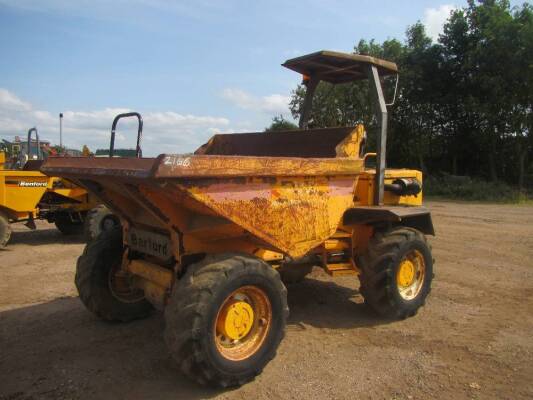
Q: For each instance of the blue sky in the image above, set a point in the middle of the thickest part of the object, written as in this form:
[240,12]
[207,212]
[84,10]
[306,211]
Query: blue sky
[192,68]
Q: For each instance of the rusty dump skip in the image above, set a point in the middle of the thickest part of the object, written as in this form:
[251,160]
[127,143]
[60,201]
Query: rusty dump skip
[286,190]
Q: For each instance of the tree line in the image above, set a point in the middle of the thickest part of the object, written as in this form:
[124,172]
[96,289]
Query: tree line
[464,104]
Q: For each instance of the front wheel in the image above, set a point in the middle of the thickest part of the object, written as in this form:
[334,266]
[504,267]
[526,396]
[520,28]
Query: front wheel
[103,289]
[397,270]
[225,319]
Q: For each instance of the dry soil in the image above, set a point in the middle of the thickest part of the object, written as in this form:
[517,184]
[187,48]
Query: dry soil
[472,340]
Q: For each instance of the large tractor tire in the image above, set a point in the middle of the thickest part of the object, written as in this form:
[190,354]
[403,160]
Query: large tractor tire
[67,225]
[101,286]
[397,270]
[225,319]
[5,230]
[98,220]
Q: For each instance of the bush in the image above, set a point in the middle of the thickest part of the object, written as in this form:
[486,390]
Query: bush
[473,189]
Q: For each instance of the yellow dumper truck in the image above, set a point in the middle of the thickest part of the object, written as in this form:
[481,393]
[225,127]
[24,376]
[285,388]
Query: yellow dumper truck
[208,237]
[27,195]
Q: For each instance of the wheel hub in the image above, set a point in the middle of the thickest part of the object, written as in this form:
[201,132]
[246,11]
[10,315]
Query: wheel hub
[411,274]
[108,224]
[121,288]
[406,273]
[236,319]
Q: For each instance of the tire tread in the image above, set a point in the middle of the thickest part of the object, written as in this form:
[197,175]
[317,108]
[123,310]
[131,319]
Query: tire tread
[377,275]
[187,313]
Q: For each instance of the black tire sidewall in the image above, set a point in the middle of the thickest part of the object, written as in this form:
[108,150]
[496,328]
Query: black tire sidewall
[109,258]
[275,333]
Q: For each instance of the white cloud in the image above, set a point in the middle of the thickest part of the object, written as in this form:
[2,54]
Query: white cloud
[435,18]
[273,104]
[9,101]
[164,131]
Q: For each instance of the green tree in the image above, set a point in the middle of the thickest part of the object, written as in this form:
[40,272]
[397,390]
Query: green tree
[464,104]
[279,123]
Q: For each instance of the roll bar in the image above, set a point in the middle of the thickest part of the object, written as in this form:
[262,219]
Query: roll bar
[337,68]
[381,143]
[381,117]
[39,152]
[138,151]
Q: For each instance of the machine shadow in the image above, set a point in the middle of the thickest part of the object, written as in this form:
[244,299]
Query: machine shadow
[326,304]
[42,237]
[58,349]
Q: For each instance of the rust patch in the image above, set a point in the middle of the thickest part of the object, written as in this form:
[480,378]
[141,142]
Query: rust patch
[295,216]
[341,187]
[223,192]
[179,166]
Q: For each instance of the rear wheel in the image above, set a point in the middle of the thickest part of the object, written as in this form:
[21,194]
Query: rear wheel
[397,271]
[102,287]
[98,220]
[5,230]
[225,319]
[68,225]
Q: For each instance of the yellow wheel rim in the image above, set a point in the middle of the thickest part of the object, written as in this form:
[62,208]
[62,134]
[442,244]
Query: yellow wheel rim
[411,274]
[243,321]
[121,288]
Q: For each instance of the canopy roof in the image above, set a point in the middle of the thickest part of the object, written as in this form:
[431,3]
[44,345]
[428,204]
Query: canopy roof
[335,67]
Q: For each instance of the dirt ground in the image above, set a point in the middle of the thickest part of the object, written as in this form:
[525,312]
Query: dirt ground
[472,340]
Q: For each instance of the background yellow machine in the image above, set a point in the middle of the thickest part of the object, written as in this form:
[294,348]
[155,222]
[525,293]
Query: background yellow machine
[210,237]
[27,194]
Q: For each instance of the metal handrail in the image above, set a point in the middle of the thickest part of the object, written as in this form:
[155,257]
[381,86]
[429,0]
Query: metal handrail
[138,151]
[34,129]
